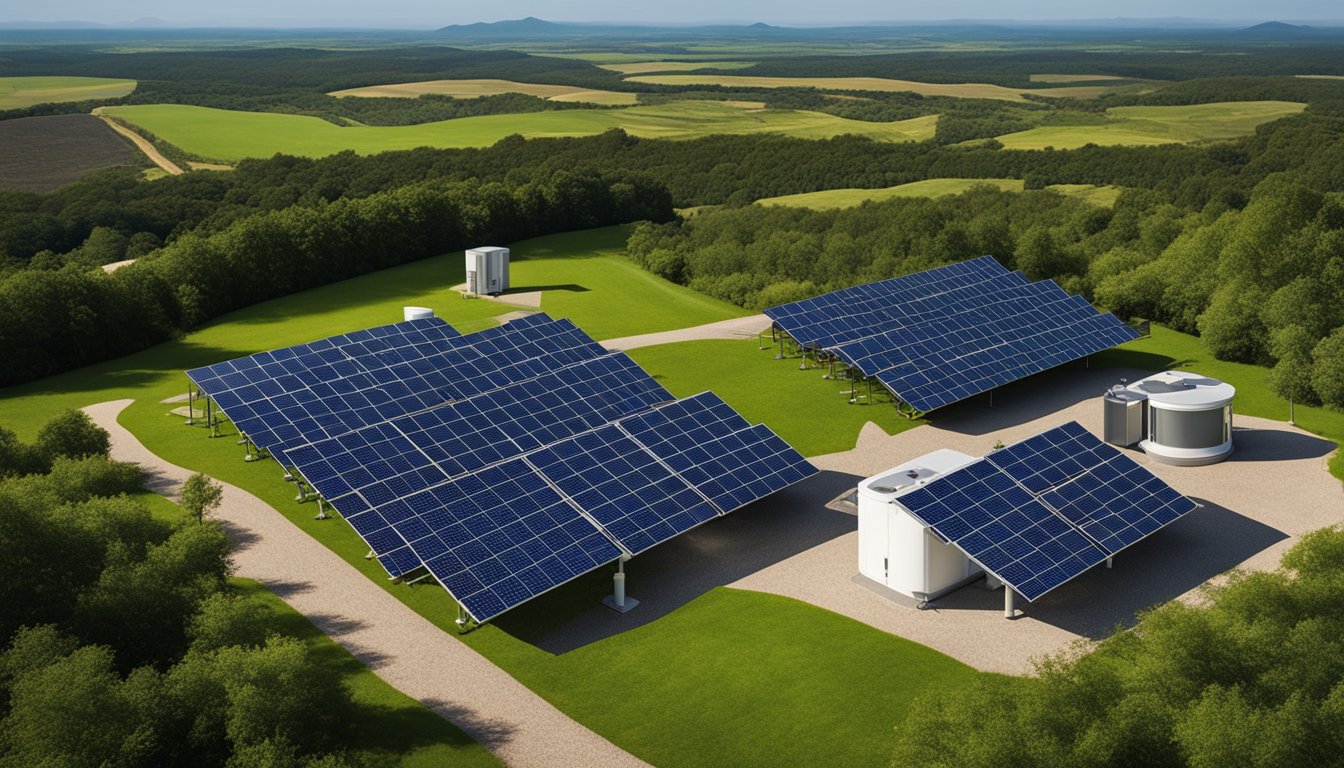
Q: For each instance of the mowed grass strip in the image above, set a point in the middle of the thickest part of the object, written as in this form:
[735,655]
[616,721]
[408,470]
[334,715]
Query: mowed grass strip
[18,92]
[1145,126]
[847,198]
[231,136]
[474,89]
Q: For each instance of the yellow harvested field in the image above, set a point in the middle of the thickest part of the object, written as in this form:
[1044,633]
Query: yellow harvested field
[19,92]
[1322,77]
[1074,78]
[647,67]
[473,89]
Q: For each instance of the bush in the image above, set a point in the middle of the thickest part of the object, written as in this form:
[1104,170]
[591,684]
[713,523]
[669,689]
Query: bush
[72,434]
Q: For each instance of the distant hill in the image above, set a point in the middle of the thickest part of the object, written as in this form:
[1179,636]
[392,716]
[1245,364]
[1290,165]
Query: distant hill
[1278,30]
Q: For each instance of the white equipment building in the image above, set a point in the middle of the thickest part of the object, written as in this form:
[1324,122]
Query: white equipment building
[1176,417]
[487,271]
[896,550]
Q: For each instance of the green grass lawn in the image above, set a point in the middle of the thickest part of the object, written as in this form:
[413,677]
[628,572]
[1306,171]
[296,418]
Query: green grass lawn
[813,414]
[229,136]
[18,92]
[1143,126]
[847,198]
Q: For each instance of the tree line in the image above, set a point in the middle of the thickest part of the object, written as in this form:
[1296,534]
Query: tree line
[1260,282]
[122,641]
[1254,677]
[63,317]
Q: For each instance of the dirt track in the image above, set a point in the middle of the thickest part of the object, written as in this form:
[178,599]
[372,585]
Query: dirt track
[139,141]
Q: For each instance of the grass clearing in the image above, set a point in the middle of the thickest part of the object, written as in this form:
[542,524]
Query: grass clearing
[18,92]
[1047,78]
[230,136]
[1145,126]
[1103,196]
[649,67]
[474,89]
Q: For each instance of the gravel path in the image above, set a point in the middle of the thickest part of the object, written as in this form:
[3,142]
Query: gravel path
[1256,505]
[400,646]
[140,143]
[734,328]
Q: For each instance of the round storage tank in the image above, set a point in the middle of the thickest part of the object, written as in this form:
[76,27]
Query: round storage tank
[417,313]
[1189,418]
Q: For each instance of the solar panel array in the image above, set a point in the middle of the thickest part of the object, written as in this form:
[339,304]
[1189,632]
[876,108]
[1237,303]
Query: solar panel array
[505,462]
[1040,512]
[939,336]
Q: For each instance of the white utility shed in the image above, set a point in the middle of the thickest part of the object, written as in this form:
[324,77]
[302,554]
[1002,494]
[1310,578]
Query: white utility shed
[896,550]
[487,270]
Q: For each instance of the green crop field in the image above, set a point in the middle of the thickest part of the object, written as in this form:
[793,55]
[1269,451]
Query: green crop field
[17,92]
[847,198]
[961,90]
[472,89]
[231,136]
[1158,125]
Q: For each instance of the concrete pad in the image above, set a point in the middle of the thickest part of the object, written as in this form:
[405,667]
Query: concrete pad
[733,328]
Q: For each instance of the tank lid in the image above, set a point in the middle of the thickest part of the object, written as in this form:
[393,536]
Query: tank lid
[1184,390]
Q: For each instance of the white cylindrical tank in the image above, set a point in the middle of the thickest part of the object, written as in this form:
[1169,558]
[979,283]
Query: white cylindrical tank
[487,270]
[895,549]
[1189,418]
[417,313]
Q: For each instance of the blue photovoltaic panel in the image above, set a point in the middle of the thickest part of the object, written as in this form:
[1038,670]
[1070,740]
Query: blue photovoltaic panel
[1005,529]
[637,500]
[494,539]
[1118,503]
[410,452]
[1052,457]
[321,403]
[709,445]
[948,333]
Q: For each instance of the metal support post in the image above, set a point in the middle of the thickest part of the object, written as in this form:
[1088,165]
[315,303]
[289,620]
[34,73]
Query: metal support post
[1009,611]
[1108,562]
[321,511]
[191,406]
[617,600]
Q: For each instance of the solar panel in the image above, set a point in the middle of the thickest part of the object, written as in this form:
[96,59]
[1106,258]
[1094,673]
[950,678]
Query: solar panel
[709,445]
[636,499]
[1005,529]
[390,459]
[493,539]
[948,333]
[324,401]
[1068,474]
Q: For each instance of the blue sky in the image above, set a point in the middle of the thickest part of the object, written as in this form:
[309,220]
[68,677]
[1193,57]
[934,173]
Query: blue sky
[431,13]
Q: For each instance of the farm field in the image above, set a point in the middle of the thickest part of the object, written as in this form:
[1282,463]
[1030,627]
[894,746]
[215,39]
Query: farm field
[846,198]
[472,89]
[1073,78]
[962,90]
[229,136]
[45,153]
[1141,126]
[17,92]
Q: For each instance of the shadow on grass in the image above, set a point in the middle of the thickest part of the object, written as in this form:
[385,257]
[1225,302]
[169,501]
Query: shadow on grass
[571,287]
[676,572]
[1172,561]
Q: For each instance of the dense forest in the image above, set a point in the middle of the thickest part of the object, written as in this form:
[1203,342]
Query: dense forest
[124,642]
[1252,678]
[62,314]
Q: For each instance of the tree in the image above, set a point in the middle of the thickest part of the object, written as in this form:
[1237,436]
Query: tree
[72,434]
[201,496]
[16,458]
[1291,376]
[1327,368]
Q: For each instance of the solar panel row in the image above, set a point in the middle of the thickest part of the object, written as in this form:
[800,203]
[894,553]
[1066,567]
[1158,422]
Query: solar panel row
[1042,511]
[942,335]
